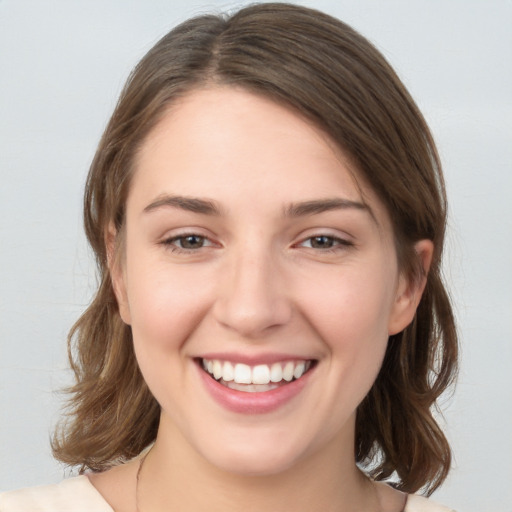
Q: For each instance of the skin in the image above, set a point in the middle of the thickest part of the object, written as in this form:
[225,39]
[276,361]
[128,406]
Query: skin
[256,282]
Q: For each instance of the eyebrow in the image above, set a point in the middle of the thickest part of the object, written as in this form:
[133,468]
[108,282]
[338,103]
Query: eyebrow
[300,209]
[324,205]
[191,204]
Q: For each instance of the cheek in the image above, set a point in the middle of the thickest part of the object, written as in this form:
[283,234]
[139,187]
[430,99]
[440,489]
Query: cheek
[351,316]
[165,306]
[353,305]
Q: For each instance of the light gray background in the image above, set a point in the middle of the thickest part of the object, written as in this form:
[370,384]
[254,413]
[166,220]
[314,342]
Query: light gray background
[62,65]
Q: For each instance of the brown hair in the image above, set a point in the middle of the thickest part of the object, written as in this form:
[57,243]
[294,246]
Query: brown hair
[329,73]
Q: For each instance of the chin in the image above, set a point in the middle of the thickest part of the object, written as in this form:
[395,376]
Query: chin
[252,458]
[255,466]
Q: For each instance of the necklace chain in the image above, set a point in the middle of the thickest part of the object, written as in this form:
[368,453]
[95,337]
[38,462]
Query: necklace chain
[141,463]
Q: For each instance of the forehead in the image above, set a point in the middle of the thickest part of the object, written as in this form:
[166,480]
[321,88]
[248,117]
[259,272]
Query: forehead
[228,143]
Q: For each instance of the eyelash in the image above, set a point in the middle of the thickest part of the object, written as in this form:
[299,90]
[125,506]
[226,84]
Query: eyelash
[171,243]
[336,243]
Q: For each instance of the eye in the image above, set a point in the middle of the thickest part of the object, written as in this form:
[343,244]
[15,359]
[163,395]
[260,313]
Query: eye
[324,242]
[187,242]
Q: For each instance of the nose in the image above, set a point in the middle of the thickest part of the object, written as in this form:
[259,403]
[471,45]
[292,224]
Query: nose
[252,298]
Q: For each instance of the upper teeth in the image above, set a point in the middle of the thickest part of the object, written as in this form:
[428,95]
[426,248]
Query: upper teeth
[259,374]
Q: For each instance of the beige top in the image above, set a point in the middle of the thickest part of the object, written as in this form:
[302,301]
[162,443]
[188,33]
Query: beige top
[79,495]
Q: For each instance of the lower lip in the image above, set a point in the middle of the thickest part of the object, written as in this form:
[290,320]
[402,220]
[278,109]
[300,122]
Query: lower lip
[253,403]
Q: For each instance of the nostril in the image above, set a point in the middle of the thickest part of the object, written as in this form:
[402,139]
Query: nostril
[252,298]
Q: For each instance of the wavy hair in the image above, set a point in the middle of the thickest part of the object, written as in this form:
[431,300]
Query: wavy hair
[329,73]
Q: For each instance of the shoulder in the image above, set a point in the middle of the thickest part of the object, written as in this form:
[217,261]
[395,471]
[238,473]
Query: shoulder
[72,495]
[417,503]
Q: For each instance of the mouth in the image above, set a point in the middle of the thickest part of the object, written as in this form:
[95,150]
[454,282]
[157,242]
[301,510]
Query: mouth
[258,378]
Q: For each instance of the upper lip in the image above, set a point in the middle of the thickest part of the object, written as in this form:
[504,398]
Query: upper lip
[254,359]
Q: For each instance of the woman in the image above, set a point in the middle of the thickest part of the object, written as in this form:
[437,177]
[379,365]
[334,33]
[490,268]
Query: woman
[271,329]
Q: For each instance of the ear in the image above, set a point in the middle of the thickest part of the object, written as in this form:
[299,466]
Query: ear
[117,275]
[410,290]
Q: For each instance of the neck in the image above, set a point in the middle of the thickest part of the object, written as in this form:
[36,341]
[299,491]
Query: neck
[175,477]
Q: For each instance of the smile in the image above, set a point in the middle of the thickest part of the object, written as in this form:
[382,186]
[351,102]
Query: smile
[255,379]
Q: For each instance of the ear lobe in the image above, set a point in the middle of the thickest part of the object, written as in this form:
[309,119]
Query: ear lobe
[410,289]
[117,272]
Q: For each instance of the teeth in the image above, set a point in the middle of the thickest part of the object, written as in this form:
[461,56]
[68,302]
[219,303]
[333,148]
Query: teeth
[260,374]
[228,372]
[276,373]
[299,370]
[242,374]
[217,369]
[251,388]
[288,371]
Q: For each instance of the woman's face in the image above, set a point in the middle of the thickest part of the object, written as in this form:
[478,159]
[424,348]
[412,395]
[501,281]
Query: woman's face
[260,287]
